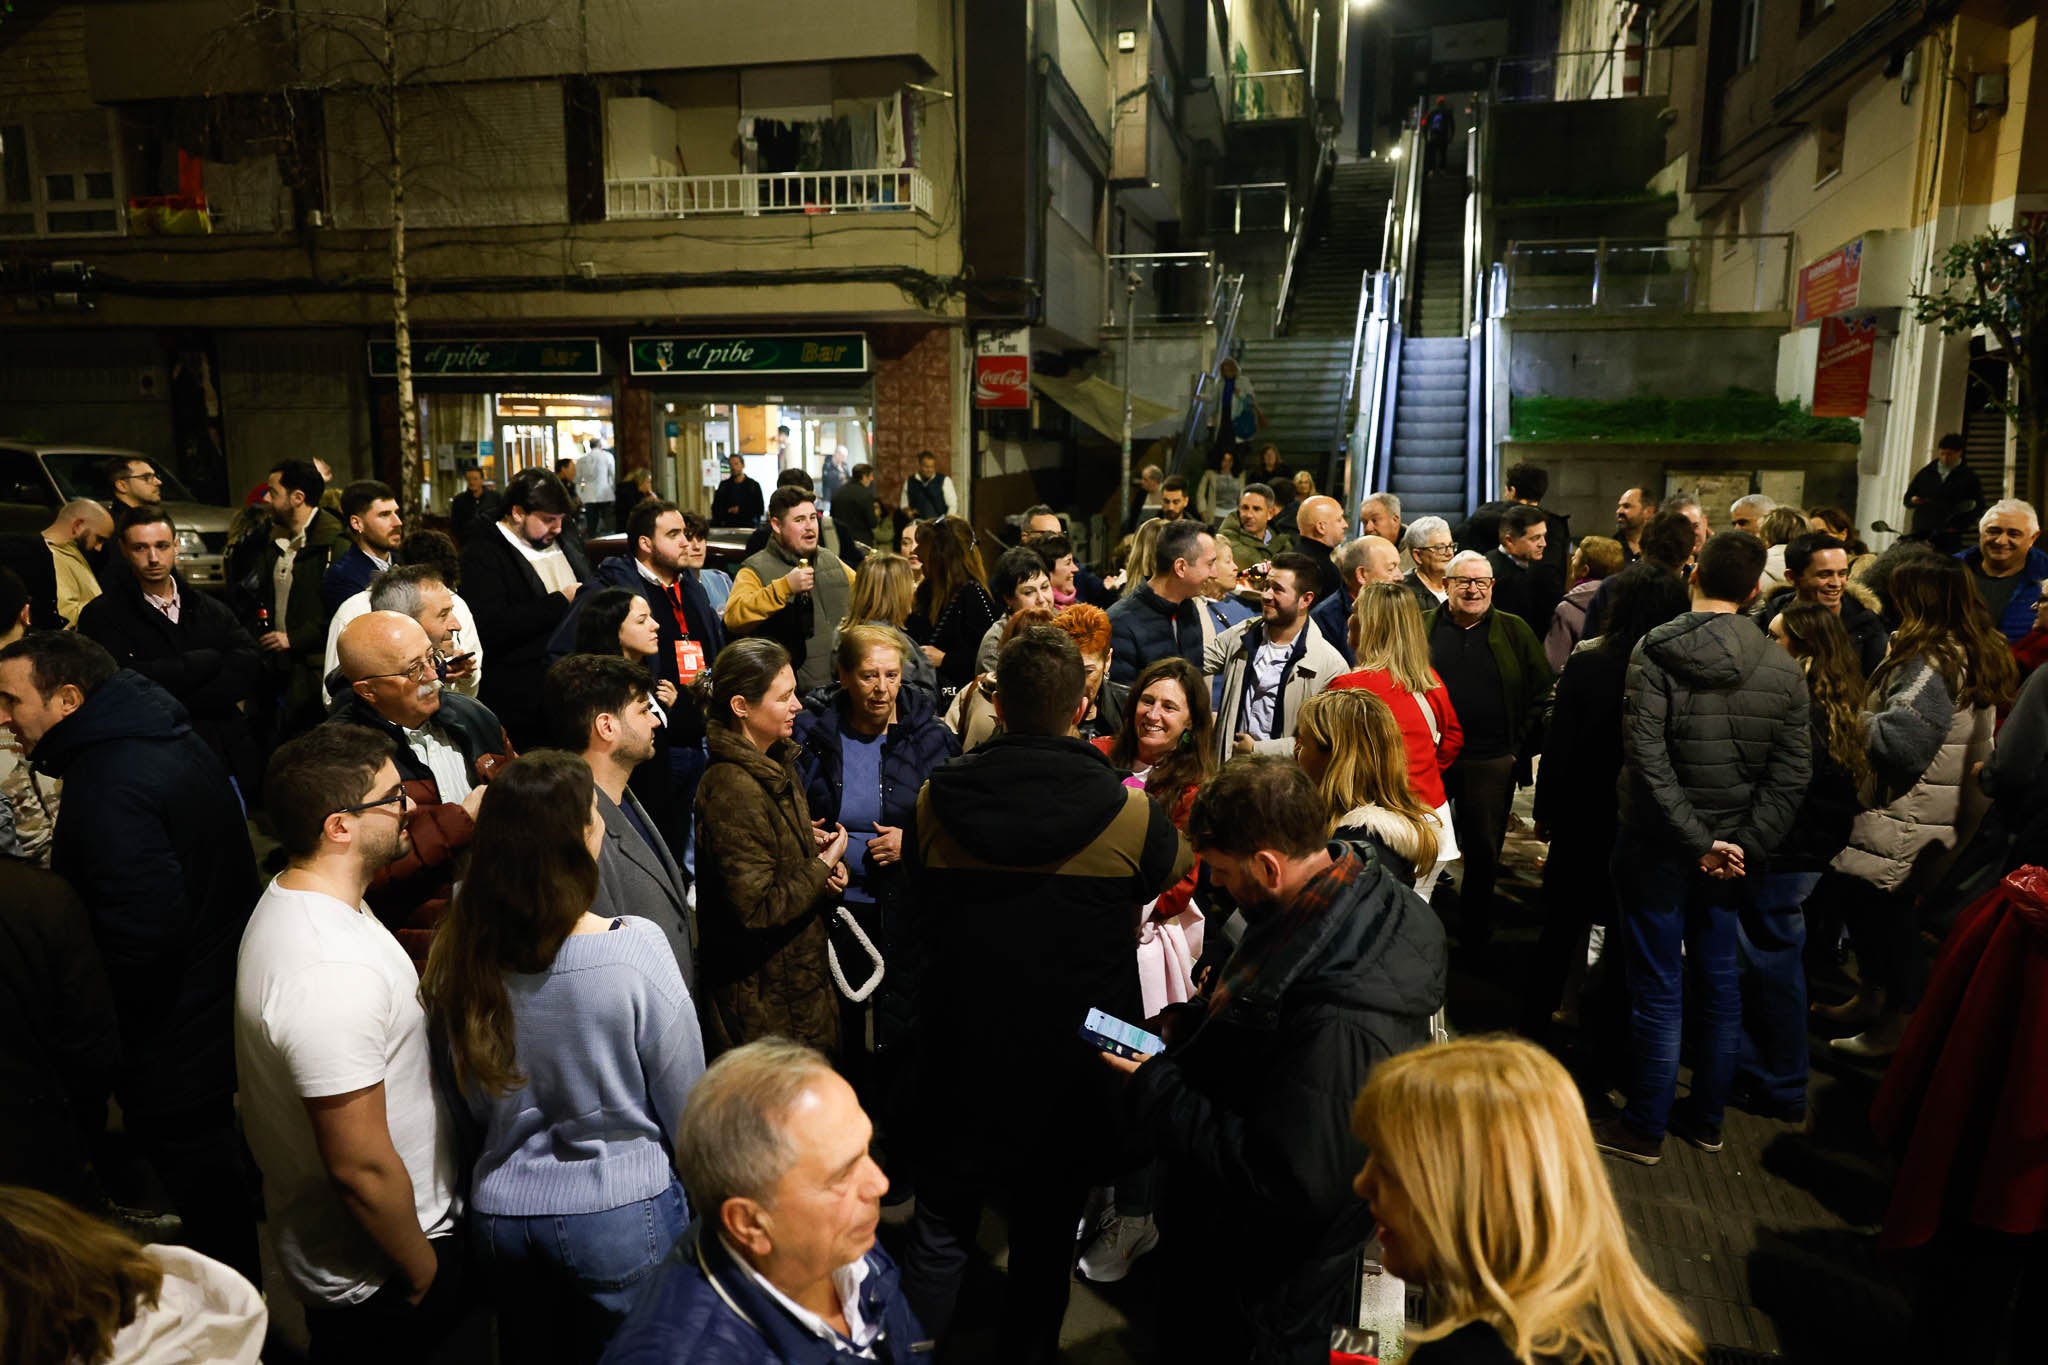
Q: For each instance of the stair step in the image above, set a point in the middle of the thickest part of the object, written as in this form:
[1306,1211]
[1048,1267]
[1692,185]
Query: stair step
[1427,430]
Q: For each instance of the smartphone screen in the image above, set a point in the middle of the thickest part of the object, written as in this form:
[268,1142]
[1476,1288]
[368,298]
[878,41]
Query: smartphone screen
[1114,1035]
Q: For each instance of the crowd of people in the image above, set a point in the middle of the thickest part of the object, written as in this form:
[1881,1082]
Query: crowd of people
[615,986]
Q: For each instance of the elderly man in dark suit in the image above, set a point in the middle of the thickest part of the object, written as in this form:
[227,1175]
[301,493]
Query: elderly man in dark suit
[603,708]
[519,576]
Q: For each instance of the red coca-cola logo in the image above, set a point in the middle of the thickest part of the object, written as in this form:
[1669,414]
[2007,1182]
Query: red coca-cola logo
[1002,382]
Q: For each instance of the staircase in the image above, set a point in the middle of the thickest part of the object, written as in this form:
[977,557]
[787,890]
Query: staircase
[1426,466]
[1300,376]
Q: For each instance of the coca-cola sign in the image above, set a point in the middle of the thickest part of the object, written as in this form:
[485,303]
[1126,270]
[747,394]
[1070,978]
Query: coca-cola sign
[1002,370]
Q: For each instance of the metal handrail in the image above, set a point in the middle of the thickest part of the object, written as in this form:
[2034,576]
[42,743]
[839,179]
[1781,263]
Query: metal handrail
[1151,261]
[1371,452]
[1237,192]
[1411,206]
[1225,301]
[1771,294]
[1346,412]
[1325,157]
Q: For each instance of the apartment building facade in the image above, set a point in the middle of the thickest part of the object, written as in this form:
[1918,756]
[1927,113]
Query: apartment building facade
[1830,151]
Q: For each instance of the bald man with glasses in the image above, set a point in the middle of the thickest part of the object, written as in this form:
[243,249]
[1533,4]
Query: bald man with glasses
[446,746]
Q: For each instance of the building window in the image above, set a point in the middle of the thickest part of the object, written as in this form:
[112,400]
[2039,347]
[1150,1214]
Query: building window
[1812,12]
[1749,24]
[1074,188]
[58,176]
[1828,136]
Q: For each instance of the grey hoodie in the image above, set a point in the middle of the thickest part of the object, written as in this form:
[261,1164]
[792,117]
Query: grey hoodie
[1714,738]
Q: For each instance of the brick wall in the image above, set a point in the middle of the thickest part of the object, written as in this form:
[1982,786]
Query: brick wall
[913,405]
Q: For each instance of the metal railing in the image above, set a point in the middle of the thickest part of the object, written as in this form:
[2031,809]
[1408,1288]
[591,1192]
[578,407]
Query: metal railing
[1544,77]
[1225,305]
[1347,399]
[1176,287]
[1260,206]
[1368,435]
[1410,225]
[684,196]
[1749,273]
[1325,158]
[1278,94]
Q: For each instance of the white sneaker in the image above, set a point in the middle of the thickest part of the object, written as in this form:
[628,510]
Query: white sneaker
[1094,1213]
[1122,1241]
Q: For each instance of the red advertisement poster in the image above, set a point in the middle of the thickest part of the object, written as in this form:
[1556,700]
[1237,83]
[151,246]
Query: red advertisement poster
[1002,370]
[1831,284]
[1841,379]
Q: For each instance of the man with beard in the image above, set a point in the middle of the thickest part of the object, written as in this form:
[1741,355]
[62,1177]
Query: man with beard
[375,525]
[1631,515]
[446,747]
[74,538]
[1272,665]
[1340,967]
[604,710]
[152,839]
[284,589]
[519,578]
[793,591]
[338,1101]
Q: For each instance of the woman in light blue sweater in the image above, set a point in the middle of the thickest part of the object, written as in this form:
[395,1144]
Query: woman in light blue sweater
[574,1043]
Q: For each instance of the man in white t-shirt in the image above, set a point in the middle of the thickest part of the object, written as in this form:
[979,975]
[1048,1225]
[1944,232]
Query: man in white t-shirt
[331,1052]
[597,486]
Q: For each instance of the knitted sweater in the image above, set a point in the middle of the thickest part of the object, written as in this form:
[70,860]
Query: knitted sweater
[608,1040]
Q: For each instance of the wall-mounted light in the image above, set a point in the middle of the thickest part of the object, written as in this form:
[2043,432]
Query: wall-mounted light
[1127,40]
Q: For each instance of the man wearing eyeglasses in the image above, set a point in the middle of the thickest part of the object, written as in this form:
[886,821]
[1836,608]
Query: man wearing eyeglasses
[447,746]
[1499,680]
[358,1157]
[135,482]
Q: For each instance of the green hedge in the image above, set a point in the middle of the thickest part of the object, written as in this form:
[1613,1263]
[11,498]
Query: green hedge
[1737,415]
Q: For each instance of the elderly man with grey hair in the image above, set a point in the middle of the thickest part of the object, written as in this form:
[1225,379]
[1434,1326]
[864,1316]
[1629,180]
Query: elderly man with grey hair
[2007,566]
[1365,559]
[1380,515]
[1500,680]
[454,638]
[780,1261]
[1748,513]
[1430,544]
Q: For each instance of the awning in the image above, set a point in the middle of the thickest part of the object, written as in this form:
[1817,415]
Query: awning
[1100,404]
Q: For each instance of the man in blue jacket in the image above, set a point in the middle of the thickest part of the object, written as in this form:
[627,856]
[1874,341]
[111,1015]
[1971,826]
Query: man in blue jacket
[2006,565]
[1164,616]
[370,511]
[152,838]
[780,1263]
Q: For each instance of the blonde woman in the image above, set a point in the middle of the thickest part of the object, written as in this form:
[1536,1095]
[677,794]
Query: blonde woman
[1351,745]
[1486,1186]
[882,594]
[1144,549]
[1393,664]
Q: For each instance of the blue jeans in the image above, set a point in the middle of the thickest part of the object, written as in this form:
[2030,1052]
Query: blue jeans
[563,1284]
[1673,917]
[686,765]
[1771,932]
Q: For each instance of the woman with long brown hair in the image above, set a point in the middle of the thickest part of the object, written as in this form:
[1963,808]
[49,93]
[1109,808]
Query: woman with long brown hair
[1933,705]
[1486,1186]
[952,609]
[1771,1069]
[573,1042]
[1350,743]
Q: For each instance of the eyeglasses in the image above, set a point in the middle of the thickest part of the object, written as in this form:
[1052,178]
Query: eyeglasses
[1483,584]
[397,798]
[1433,550]
[145,476]
[419,671]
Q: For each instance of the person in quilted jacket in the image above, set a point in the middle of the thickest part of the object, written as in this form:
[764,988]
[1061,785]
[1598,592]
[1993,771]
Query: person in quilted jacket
[765,873]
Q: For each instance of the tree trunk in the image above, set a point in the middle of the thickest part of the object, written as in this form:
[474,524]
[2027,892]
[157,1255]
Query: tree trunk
[411,456]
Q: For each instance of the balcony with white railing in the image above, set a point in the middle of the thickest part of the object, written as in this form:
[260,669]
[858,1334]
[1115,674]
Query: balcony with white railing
[813,192]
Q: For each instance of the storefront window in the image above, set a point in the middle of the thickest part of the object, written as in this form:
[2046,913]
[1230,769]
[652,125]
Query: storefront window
[503,433]
[825,439]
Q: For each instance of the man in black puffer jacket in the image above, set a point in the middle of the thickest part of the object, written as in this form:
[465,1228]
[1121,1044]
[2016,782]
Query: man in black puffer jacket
[1029,860]
[1716,761]
[151,837]
[1250,1104]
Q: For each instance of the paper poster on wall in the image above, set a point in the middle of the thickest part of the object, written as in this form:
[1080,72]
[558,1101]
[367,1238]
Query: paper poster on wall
[1841,376]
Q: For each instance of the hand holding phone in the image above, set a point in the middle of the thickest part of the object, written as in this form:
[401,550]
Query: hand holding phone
[1120,1039]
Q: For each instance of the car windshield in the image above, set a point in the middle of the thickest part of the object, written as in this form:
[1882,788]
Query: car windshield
[82,475]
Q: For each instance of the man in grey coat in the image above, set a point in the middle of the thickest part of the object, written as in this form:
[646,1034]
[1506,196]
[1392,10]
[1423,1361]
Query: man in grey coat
[1716,761]
[603,709]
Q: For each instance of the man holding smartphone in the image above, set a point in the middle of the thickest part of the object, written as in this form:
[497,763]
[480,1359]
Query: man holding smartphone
[1340,966]
[1030,862]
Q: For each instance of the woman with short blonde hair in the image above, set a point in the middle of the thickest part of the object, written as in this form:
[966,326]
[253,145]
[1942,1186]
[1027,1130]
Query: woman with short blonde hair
[1486,1185]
